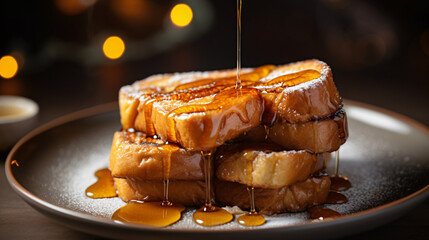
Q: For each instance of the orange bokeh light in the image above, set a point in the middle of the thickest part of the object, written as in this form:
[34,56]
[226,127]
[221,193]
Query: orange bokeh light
[8,66]
[181,15]
[113,47]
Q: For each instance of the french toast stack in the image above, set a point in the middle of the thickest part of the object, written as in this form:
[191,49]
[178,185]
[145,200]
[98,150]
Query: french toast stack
[275,134]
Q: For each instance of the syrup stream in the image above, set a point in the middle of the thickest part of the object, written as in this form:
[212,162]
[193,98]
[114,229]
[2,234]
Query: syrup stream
[322,213]
[251,191]
[166,180]
[238,83]
[338,182]
[165,201]
[210,215]
[337,162]
[207,168]
[252,218]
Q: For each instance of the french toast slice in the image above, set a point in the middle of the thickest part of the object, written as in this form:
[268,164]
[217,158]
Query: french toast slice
[318,136]
[296,197]
[136,156]
[202,110]
[293,198]
[265,166]
[301,101]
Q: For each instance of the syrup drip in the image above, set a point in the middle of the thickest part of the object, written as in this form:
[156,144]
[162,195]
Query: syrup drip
[104,187]
[210,86]
[158,214]
[337,162]
[336,198]
[339,183]
[228,99]
[207,176]
[165,201]
[253,218]
[166,171]
[154,214]
[238,83]
[210,215]
[322,213]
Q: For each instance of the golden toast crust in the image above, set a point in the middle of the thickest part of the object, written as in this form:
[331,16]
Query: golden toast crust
[146,107]
[267,169]
[318,136]
[296,197]
[135,156]
[188,193]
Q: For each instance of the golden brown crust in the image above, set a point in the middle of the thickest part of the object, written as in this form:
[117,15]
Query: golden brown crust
[135,156]
[296,197]
[208,129]
[316,136]
[268,169]
[319,136]
[189,193]
[311,100]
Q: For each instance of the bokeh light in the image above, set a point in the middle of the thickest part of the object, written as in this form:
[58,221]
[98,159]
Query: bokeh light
[181,15]
[8,66]
[113,47]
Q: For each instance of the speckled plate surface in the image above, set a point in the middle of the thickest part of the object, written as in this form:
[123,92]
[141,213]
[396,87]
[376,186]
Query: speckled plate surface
[386,158]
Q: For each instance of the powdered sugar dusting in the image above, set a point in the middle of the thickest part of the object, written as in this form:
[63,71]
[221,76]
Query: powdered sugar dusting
[382,165]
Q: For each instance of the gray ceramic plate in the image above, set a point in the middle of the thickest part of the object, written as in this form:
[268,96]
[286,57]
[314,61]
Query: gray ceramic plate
[386,158]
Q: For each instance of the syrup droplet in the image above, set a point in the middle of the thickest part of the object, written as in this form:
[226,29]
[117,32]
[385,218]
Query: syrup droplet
[253,218]
[322,213]
[210,215]
[238,83]
[336,198]
[340,183]
[104,187]
[154,214]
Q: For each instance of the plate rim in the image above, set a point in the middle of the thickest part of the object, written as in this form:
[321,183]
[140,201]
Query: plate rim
[37,202]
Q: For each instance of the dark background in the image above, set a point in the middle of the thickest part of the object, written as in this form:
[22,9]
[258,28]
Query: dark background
[378,50]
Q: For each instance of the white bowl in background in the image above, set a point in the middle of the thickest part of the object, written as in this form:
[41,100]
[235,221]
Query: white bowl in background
[17,116]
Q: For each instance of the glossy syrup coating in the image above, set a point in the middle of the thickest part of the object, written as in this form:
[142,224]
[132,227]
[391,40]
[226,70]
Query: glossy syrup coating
[204,112]
[104,187]
[210,215]
[154,214]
